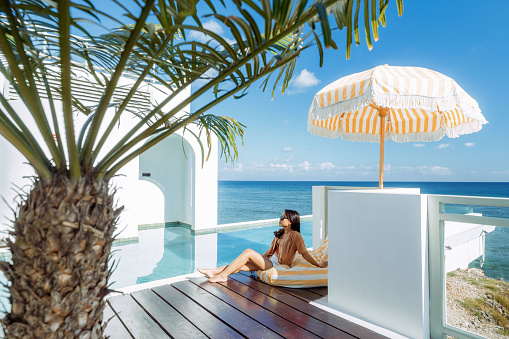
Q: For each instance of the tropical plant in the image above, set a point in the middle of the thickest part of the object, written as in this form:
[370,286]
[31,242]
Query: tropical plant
[63,227]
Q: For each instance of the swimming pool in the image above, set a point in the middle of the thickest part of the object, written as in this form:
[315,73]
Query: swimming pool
[172,251]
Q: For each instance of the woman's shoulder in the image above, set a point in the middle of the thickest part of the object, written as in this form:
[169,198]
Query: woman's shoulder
[295,235]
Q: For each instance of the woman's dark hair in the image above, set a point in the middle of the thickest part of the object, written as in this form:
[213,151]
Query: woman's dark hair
[294,218]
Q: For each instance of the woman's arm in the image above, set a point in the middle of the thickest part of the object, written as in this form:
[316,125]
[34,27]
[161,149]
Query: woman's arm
[309,258]
[268,253]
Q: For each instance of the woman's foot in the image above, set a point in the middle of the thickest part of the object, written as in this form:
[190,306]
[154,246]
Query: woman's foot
[217,278]
[208,272]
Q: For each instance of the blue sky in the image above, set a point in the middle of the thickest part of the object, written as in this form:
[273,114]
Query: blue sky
[461,39]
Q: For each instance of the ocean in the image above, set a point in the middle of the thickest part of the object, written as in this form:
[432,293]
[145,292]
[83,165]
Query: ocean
[255,200]
[240,201]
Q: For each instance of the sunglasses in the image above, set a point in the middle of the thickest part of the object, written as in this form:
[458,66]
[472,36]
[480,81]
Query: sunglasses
[283,217]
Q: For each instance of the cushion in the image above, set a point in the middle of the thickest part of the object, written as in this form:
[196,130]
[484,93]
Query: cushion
[300,274]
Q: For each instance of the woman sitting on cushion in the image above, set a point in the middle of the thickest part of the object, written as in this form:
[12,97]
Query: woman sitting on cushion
[286,243]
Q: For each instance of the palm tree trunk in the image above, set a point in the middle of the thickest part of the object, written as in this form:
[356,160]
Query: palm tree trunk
[58,277]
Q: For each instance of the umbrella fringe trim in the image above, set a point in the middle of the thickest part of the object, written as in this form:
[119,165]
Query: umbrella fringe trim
[465,128]
[418,137]
[397,101]
[322,113]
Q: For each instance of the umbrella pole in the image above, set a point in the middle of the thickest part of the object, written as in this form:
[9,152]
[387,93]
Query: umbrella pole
[382,113]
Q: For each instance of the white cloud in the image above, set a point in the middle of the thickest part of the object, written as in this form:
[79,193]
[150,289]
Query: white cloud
[425,170]
[469,144]
[206,77]
[327,166]
[443,146]
[437,170]
[306,166]
[305,79]
[302,82]
[288,159]
[419,145]
[285,167]
[287,149]
[212,26]
[500,172]
[237,167]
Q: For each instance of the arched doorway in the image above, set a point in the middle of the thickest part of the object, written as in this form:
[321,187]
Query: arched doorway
[170,165]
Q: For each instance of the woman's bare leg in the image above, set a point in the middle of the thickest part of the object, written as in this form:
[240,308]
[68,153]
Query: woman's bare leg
[249,260]
[212,271]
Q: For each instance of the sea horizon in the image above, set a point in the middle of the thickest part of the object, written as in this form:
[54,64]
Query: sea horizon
[250,200]
[366,181]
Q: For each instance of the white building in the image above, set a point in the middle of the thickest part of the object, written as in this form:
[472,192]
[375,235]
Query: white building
[166,184]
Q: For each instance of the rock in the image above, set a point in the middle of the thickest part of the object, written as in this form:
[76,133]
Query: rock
[472,284]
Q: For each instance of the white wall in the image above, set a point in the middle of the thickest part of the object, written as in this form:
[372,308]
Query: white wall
[134,195]
[204,189]
[378,269]
[320,207]
[170,164]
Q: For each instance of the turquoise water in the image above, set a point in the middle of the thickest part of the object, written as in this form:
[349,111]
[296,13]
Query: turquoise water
[230,245]
[173,251]
[496,264]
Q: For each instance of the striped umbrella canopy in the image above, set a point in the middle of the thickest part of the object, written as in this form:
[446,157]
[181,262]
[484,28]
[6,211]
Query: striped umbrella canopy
[398,103]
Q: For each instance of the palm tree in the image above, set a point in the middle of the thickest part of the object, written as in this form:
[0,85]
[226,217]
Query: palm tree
[63,228]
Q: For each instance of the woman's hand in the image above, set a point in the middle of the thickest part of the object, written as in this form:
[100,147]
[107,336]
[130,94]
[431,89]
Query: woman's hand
[325,264]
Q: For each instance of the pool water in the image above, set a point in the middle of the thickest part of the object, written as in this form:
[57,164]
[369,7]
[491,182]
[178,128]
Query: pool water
[173,251]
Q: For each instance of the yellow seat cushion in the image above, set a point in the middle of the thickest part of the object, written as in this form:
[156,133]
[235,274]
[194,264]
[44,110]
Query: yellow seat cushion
[300,274]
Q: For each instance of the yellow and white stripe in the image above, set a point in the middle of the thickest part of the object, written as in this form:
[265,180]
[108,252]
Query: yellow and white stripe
[424,106]
[300,273]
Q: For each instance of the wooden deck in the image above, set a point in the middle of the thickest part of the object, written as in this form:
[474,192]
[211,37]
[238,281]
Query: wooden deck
[242,307]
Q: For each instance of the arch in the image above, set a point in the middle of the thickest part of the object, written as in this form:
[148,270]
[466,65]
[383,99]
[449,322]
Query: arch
[170,165]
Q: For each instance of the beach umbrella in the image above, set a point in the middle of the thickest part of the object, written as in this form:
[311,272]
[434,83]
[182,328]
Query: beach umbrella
[398,103]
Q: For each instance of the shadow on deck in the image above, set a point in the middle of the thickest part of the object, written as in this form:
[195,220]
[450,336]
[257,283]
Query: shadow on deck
[242,307]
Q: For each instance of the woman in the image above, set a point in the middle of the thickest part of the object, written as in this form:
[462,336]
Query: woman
[287,242]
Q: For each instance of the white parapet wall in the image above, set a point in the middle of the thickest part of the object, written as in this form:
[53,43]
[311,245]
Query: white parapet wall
[320,194]
[378,267]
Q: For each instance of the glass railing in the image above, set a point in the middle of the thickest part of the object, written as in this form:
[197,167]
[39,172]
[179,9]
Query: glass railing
[468,266]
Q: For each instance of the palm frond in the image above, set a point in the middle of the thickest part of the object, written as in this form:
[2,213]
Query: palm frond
[46,46]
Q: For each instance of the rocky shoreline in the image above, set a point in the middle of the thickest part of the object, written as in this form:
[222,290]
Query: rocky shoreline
[478,304]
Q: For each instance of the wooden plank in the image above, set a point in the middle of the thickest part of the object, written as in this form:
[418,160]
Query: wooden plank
[292,314]
[272,320]
[114,327]
[201,318]
[166,316]
[305,307]
[301,293]
[244,324]
[323,291]
[137,321]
